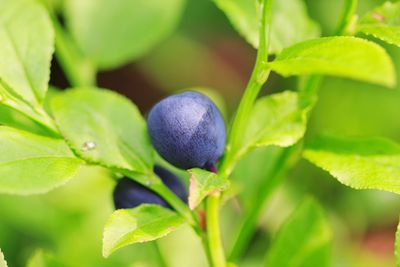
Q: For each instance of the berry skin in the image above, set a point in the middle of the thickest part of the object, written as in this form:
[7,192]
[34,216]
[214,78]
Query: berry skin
[187,130]
[129,194]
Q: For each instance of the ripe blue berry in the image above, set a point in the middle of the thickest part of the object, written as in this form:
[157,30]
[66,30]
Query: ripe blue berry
[187,130]
[130,194]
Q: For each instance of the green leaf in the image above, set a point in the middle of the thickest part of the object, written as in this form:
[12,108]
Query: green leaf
[383,23]
[27,44]
[10,103]
[265,168]
[304,240]
[104,128]
[290,21]
[397,247]
[203,183]
[31,163]
[3,262]
[113,32]
[275,120]
[349,57]
[144,223]
[369,163]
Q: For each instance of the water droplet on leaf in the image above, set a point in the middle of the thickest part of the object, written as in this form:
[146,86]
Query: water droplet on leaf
[89,145]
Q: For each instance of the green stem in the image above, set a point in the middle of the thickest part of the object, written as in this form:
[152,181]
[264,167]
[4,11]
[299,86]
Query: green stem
[206,247]
[78,69]
[258,78]
[265,189]
[308,96]
[213,231]
[345,21]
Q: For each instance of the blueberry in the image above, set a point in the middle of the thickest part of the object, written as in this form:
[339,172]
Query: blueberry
[130,194]
[187,130]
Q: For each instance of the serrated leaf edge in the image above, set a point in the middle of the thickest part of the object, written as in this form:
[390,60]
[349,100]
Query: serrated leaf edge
[333,174]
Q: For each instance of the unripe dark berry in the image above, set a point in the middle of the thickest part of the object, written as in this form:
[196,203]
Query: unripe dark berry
[130,194]
[187,130]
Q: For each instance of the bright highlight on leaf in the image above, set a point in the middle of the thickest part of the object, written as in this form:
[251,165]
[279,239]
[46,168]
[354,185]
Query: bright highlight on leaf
[383,23]
[275,120]
[144,223]
[32,164]
[104,127]
[203,183]
[41,258]
[290,21]
[27,46]
[3,262]
[37,259]
[304,239]
[372,163]
[113,32]
[348,57]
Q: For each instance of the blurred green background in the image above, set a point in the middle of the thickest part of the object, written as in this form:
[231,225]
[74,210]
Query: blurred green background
[205,52]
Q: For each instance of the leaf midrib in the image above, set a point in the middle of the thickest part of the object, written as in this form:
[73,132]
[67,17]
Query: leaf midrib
[126,237]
